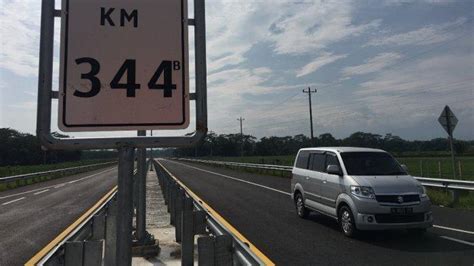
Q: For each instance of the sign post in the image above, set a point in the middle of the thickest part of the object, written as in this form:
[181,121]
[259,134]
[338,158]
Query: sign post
[448,121]
[123,66]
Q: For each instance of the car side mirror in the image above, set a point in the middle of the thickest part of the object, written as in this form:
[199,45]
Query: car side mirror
[334,170]
[404,167]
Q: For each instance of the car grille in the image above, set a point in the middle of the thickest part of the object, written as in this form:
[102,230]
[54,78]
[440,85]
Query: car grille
[394,198]
[393,218]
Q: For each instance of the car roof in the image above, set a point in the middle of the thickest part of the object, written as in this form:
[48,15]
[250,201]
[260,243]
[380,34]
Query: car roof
[342,149]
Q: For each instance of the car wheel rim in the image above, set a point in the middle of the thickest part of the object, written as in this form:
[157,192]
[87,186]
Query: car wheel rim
[299,205]
[346,222]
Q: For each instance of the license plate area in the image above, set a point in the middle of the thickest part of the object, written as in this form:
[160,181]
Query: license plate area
[401,211]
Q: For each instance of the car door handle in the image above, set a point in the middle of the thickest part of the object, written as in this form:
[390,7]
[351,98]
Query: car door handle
[307,178]
[325,181]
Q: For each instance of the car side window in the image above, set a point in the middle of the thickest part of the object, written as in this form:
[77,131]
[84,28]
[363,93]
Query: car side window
[317,162]
[302,160]
[331,159]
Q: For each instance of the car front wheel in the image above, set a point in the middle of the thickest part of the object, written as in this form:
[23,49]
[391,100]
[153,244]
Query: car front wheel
[347,222]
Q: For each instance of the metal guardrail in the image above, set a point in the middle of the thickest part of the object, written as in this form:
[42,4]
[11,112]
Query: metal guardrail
[450,184]
[90,240]
[221,245]
[62,171]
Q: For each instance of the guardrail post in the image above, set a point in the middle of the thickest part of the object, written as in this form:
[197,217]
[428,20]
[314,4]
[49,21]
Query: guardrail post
[223,250]
[111,233]
[455,195]
[73,253]
[172,201]
[93,252]
[187,231]
[206,251]
[98,227]
[179,214]
[124,204]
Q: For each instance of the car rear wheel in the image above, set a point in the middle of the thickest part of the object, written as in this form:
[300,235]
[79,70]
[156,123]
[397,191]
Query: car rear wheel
[301,210]
[347,222]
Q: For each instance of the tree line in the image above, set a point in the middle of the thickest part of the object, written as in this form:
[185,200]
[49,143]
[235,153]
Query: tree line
[235,144]
[18,148]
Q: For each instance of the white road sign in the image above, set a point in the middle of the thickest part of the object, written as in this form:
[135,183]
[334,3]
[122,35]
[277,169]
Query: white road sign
[124,65]
[448,120]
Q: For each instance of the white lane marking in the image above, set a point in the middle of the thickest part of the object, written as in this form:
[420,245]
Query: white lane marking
[39,192]
[60,185]
[38,189]
[236,179]
[74,181]
[453,229]
[458,240]
[11,201]
[286,193]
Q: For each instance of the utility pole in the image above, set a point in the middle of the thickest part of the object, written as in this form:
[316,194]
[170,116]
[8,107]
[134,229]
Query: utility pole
[240,119]
[309,91]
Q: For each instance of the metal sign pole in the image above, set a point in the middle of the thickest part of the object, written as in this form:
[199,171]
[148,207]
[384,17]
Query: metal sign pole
[450,137]
[125,206]
[141,180]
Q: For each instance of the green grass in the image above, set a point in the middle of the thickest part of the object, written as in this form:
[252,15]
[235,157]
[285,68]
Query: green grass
[430,164]
[17,170]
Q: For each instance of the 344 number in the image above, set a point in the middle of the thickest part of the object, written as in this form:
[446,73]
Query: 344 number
[128,69]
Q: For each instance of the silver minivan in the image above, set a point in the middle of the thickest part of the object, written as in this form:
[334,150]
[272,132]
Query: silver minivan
[363,189]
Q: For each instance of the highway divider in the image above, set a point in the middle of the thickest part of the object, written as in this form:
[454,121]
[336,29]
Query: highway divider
[218,243]
[453,185]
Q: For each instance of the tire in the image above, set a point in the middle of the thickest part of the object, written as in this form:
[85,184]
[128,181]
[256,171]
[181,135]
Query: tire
[347,222]
[301,210]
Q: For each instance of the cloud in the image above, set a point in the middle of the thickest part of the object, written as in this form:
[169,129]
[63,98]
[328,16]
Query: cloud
[373,64]
[423,36]
[19,31]
[317,63]
[416,92]
[311,26]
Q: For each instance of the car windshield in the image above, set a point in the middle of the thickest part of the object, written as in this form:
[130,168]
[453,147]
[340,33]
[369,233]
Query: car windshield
[371,163]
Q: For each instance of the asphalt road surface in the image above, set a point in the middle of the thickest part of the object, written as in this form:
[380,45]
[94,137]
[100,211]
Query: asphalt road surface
[260,207]
[32,216]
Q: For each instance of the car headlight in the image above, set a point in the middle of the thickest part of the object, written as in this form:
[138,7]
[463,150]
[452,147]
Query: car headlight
[363,192]
[422,191]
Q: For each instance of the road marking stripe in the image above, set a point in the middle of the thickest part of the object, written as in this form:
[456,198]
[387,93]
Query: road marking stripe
[38,256]
[37,193]
[11,201]
[453,229]
[38,189]
[458,240]
[236,179]
[60,185]
[283,192]
[221,219]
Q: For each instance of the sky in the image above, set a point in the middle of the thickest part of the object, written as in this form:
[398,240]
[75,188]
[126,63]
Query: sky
[378,66]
